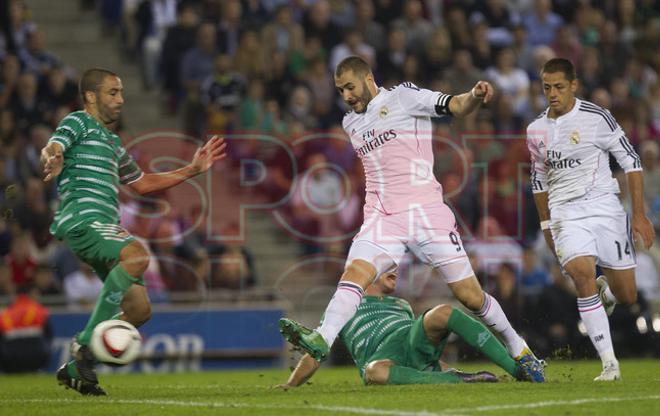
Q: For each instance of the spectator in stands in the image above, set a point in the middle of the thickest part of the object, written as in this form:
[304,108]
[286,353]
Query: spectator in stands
[416,28]
[510,80]
[11,70]
[317,23]
[542,23]
[353,45]
[437,53]
[567,45]
[21,264]
[25,333]
[82,287]
[19,24]
[523,52]
[229,27]
[196,66]
[321,85]
[179,39]
[372,32]
[221,94]
[462,74]
[496,14]
[492,247]
[25,104]
[533,278]
[300,107]
[249,60]
[389,66]
[154,17]
[282,34]
[45,281]
[35,58]
[232,266]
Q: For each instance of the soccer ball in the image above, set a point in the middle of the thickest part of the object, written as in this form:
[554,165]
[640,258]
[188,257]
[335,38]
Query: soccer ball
[115,342]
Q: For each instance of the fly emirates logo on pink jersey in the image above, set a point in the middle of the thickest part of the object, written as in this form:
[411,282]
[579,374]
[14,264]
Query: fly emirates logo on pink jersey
[374,141]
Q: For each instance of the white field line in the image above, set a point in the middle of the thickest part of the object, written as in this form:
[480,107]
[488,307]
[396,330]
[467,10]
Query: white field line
[549,403]
[344,409]
[178,403]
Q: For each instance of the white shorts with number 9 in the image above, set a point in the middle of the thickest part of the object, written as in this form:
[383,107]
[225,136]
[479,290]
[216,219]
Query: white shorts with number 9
[430,231]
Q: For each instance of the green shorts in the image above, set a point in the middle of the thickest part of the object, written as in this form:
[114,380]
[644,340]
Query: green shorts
[99,245]
[411,347]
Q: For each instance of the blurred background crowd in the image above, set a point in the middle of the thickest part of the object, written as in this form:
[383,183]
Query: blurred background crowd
[264,68]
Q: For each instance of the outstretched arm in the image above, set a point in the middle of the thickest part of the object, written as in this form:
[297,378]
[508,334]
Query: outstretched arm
[305,369]
[463,104]
[213,151]
[52,159]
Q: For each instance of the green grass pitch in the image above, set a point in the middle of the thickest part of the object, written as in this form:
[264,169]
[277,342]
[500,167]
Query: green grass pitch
[333,391]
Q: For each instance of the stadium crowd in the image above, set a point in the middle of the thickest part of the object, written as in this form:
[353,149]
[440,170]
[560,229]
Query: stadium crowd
[265,67]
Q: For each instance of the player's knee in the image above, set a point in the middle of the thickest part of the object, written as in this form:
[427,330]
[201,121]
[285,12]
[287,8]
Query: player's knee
[440,316]
[134,259]
[377,372]
[470,295]
[359,271]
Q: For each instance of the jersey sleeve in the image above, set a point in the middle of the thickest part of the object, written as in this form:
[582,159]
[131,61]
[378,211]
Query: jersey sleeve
[612,138]
[538,172]
[419,102]
[70,130]
[129,171]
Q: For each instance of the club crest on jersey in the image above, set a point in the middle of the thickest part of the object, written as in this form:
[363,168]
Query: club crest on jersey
[383,112]
[575,137]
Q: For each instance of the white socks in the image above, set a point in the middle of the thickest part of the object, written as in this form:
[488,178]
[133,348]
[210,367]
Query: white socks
[493,316]
[340,310]
[595,320]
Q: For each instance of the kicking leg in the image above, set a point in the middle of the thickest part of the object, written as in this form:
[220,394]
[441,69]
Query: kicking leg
[357,276]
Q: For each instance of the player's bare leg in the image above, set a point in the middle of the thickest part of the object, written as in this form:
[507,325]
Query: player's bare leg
[357,276]
[136,307]
[583,272]
[617,286]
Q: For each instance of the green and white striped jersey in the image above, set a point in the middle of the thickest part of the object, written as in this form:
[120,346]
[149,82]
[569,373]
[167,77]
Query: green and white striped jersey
[95,163]
[376,318]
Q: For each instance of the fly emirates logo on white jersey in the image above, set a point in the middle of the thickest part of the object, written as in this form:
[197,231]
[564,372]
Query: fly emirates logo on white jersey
[553,160]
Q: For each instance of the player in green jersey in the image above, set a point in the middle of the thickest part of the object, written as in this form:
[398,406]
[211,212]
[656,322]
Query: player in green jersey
[390,346]
[89,163]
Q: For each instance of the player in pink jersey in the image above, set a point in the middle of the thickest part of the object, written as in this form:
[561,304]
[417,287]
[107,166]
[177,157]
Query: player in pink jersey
[391,132]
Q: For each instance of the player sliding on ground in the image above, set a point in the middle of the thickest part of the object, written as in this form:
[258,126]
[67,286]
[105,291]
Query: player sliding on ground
[392,134]
[90,163]
[582,219]
[390,346]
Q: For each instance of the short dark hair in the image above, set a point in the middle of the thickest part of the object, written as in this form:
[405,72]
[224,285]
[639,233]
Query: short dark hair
[92,79]
[560,65]
[356,64]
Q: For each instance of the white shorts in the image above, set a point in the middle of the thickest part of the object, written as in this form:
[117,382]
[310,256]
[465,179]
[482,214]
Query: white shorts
[429,231]
[604,233]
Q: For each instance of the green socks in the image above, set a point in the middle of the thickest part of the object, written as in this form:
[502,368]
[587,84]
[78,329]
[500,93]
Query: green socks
[407,375]
[115,286]
[481,339]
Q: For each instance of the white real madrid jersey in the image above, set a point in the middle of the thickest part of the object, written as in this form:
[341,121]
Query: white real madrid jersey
[570,154]
[393,138]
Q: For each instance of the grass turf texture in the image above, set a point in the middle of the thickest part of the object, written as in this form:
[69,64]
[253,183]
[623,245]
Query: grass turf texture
[569,390]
